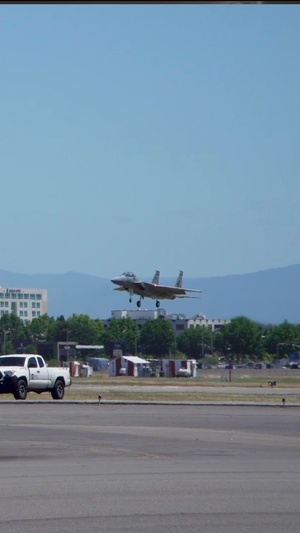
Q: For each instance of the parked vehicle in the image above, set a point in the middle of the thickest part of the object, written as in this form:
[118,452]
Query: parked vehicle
[183,373]
[21,373]
[99,363]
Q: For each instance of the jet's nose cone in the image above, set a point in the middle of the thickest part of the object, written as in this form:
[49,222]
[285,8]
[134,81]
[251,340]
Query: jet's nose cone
[115,280]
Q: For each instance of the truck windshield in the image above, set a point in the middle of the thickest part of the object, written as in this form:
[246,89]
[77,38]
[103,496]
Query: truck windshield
[12,361]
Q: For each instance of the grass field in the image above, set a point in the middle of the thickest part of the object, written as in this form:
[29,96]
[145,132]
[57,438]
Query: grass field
[190,389]
[186,389]
[284,378]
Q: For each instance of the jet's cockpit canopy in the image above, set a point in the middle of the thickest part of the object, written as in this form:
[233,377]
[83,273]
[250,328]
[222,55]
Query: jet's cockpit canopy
[128,275]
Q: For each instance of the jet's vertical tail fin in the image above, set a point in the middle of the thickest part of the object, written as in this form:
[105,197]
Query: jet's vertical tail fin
[155,280]
[179,279]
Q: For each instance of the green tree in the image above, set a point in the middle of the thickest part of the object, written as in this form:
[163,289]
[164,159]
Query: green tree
[195,342]
[60,330]
[157,338]
[84,329]
[282,339]
[240,337]
[11,330]
[122,330]
[31,348]
[39,329]
[7,348]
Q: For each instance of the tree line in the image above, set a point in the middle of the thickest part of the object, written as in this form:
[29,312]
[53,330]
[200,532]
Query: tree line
[237,340]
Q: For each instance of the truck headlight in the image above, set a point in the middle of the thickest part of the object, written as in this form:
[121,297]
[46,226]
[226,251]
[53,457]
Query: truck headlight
[8,373]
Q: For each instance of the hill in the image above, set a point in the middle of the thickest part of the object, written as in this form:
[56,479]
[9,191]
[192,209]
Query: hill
[268,296]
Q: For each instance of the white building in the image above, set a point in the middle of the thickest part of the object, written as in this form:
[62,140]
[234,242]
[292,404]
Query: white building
[179,322]
[138,314]
[25,303]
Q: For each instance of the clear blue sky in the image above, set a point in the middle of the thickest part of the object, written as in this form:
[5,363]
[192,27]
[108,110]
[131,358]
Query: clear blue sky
[143,137]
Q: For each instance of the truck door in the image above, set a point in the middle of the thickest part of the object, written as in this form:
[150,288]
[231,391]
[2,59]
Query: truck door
[38,377]
[44,374]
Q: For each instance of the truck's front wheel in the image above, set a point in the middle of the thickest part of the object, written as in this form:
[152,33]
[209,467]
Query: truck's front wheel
[58,390]
[20,392]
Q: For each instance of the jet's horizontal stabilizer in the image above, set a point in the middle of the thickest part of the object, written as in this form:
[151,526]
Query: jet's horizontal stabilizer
[185,296]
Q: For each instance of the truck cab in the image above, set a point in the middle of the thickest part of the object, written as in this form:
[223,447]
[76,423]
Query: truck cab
[22,373]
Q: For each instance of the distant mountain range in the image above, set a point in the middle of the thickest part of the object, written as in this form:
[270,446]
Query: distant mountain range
[269,296]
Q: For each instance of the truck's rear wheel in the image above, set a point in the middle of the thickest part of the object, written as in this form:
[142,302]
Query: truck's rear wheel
[20,392]
[58,390]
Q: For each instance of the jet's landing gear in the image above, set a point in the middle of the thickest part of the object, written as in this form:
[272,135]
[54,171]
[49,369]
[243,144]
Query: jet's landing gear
[130,296]
[139,303]
[157,303]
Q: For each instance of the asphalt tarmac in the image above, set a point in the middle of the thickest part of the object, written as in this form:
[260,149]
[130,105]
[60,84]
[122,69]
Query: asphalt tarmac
[145,468]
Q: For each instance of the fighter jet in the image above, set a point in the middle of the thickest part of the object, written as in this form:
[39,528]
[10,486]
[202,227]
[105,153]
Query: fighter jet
[144,289]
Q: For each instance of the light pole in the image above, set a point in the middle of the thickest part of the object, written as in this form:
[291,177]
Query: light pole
[67,347]
[277,352]
[123,342]
[202,317]
[135,345]
[228,357]
[4,340]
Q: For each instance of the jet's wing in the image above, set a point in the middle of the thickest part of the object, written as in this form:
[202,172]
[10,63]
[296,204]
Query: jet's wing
[192,290]
[120,289]
[165,291]
[167,288]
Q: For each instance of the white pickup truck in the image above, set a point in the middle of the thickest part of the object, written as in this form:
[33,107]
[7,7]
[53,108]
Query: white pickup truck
[21,373]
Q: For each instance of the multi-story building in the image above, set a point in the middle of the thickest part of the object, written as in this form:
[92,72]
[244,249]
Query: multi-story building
[140,316]
[25,303]
[179,321]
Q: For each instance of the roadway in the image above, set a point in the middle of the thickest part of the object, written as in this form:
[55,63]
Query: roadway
[73,468]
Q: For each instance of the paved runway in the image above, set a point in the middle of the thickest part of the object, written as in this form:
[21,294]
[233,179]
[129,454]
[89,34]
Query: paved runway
[109,468]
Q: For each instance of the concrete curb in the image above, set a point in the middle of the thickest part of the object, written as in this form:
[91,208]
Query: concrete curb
[134,402]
